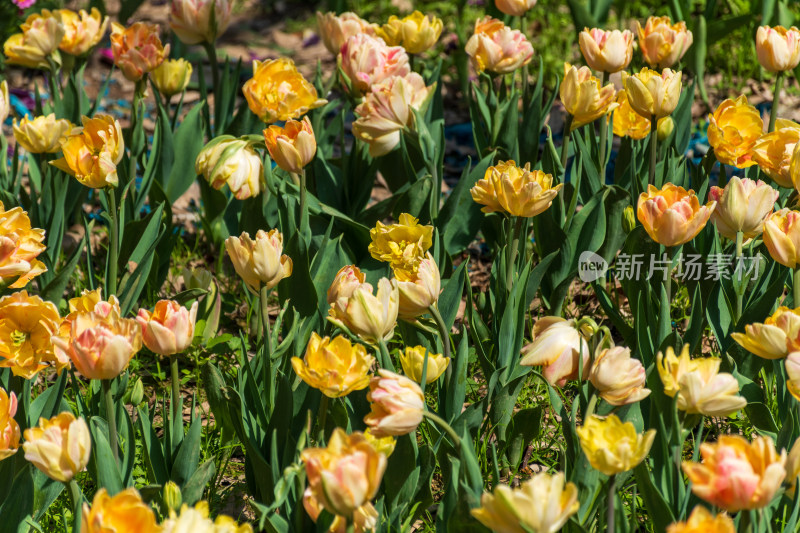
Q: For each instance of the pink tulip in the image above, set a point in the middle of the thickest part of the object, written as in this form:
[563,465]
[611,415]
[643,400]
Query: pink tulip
[366,60]
[169,329]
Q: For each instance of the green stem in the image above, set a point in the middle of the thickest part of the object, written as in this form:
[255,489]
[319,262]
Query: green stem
[303,208]
[603,134]
[739,291]
[177,400]
[442,423]
[323,417]
[211,51]
[590,408]
[443,333]
[513,246]
[111,418]
[665,320]
[796,287]
[113,252]
[386,360]
[76,498]
[653,149]
[564,157]
[577,174]
[776,95]
[265,331]
[612,496]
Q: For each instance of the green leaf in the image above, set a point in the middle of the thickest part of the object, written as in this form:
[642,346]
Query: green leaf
[188,456]
[188,141]
[461,216]
[105,468]
[193,489]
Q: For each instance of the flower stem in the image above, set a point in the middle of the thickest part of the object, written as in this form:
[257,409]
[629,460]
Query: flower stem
[603,135]
[442,423]
[443,333]
[796,287]
[653,149]
[113,252]
[265,332]
[739,291]
[565,143]
[514,227]
[303,207]
[211,51]
[323,417]
[612,494]
[386,360]
[76,498]
[111,418]
[176,391]
[776,95]
[591,407]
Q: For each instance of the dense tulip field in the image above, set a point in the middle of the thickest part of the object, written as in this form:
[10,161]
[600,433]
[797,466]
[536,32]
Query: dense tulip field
[586,330]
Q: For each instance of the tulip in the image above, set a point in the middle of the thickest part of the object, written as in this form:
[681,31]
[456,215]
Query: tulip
[367,61]
[782,237]
[618,378]
[507,188]
[612,446]
[233,162]
[370,316]
[793,375]
[627,122]
[560,348]
[9,429]
[137,49]
[169,329]
[365,518]
[125,512]
[92,152]
[292,146]
[773,151]
[542,504]
[420,291]
[733,130]
[82,30]
[402,245]
[195,520]
[606,51]
[701,520]
[672,368]
[335,367]
[663,44]
[384,445]
[5,102]
[793,460]
[672,215]
[497,48]
[37,45]
[26,324]
[416,32]
[737,475]
[743,205]
[778,48]
[19,246]
[200,21]
[59,447]
[775,338]
[397,405]
[709,392]
[336,29]
[515,8]
[413,360]
[277,91]
[261,261]
[172,76]
[665,127]
[346,281]
[583,97]
[346,475]
[99,346]
[42,134]
[388,110]
[197,278]
[653,94]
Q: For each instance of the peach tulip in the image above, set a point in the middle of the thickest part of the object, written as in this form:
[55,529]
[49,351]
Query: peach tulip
[336,29]
[59,447]
[9,428]
[778,48]
[169,329]
[672,215]
[559,347]
[606,51]
[775,338]
[397,405]
[292,146]
[782,237]
[418,292]
[618,378]
[137,49]
[260,261]
[497,48]
[200,21]
[662,43]
[367,61]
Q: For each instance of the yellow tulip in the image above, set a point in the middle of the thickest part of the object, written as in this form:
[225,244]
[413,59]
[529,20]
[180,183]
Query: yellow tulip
[773,151]
[652,94]
[172,76]
[618,378]
[606,51]
[372,317]
[9,429]
[384,445]
[125,512]
[672,215]
[778,48]
[743,205]
[413,359]
[775,338]
[402,245]
[702,521]
[226,160]
[396,403]
[82,30]
[782,237]
[19,246]
[26,325]
[583,97]
[59,447]
[364,519]
[736,474]
[292,146]
[497,48]
[793,375]
[627,122]
[542,504]
[416,32]
[515,8]
[344,284]
[507,188]
[335,29]
[200,21]
[662,43]
[42,134]
[137,49]
[92,152]
[277,91]
[417,293]
[612,446]
[335,367]
[709,392]
[5,101]
[37,45]
[346,474]
[260,261]
[195,520]
[733,130]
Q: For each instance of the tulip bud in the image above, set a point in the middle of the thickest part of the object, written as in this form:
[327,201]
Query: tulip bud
[336,29]
[335,367]
[172,497]
[416,32]
[231,161]
[172,76]
[702,520]
[497,48]
[125,512]
[169,329]
[775,338]
[612,446]
[92,152]
[9,428]
[652,94]
[419,291]
[507,188]
[664,129]
[366,61]
[42,134]
[59,447]
[292,146]
[733,130]
[737,475]
[397,405]
[413,361]
[261,261]
[560,348]
[515,8]
[137,49]
[672,215]
[662,43]
[782,237]
[743,205]
[606,51]
[542,503]
[777,48]
[200,21]
[137,392]
[628,219]
[277,91]
[618,378]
